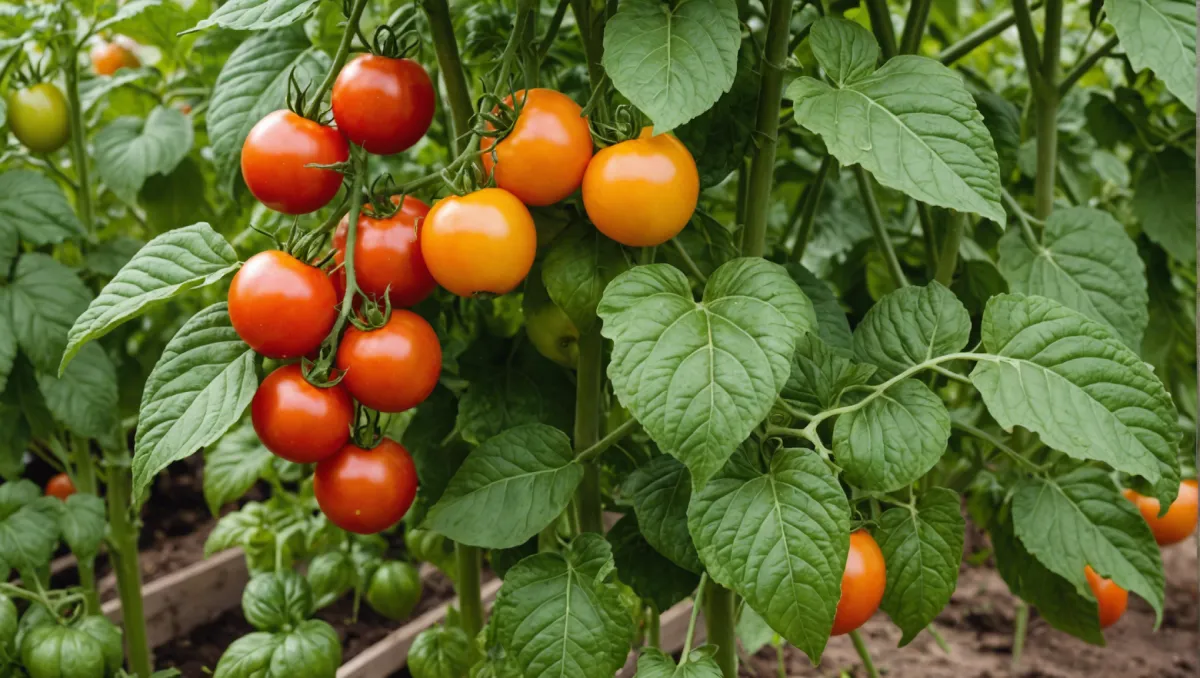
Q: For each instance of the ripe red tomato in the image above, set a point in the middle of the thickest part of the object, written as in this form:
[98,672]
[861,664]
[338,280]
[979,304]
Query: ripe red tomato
[1180,520]
[281,307]
[643,191]
[862,584]
[392,368]
[37,116]
[274,157]
[60,486]
[109,57]
[543,158]
[387,254]
[384,105]
[366,491]
[1111,598]
[298,421]
[481,242]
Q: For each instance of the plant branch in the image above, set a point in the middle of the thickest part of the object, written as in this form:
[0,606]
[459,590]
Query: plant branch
[356,203]
[996,443]
[864,654]
[1023,17]
[591,31]
[914,26]
[589,389]
[468,574]
[339,60]
[123,549]
[948,259]
[615,436]
[928,237]
[697,603]
[881,25]
[450,65]
[808,210]
[552,29]
[79,157]
[1027,234]
[720,615]
[688,261]
[876,218]
[1002,22]
[1085,65]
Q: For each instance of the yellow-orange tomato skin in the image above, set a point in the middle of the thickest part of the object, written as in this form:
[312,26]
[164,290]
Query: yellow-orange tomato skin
[544,156]
[1112,599]
[862,584]
[1180,520]
[480,242]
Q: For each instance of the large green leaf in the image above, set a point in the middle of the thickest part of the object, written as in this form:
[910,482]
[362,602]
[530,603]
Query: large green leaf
[661,491]
[172,263]
[559,615]
[1087,262]
[34,206]
[232,466]
[820,375]
[1164,200]
[578,265]
[257,15]
[700,376]
[779,539]
[910,326]
[8,339]
[832,325]
[719,137]
[310,650]
[649,573]
[911,123]
[130,150]
[46,298]
[83,524]
[1160,35]
[672,61]
[28,536]
[510,398]
[654,663]
[85,397]
[197,391]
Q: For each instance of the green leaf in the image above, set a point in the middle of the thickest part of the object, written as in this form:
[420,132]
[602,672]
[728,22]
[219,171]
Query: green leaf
[700,376]
[16,494]
[672,61]
[330,576]
[273,601]
[249,656]
[1003,122]
[1160,35]
[922,549]
[29,535]
[514,397]
[779,539]
[83,524]
[578,266]
[128,11]
[752,631]
[253,83]
[1085,262]
[257,15]
[435,462]
[439,652]
[1078,519]
[84,398]
[661,491]
[650,574]
[1164,200]
[509,488]
[654,663]
[232,466]
[894,439]
[1068,379]
[14,437]
[832,325]
[820,375]
[107,258]
[94,90]
[557,614]
[719,137]
[34,206]
[176,198]
[237,528]
[197,391]
[8,339]
[895,122]
[130,150]
[910,326]
[46,299]
[311,650]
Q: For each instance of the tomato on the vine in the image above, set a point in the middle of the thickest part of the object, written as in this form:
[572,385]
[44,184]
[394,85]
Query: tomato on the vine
[281,307]
[553,334]
[366,491]
[1180,520]
[544,156]
[862,584]
[392,368]
[109,57]
[384,105]
[298,421]
[387,254]
[1112,599]
[480,242]
[394,590]
[643,191]
[37,116]
[274,159]
[60,486]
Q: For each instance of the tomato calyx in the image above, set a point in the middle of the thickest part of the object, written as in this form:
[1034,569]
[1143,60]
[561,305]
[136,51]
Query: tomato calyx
[366,432]
[400,41]
[371,316]
[321,372]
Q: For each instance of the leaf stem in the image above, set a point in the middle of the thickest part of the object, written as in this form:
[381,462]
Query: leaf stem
[864,654]
[615,436]
[928,237]
[877,228]
[1019,631]
[589,388]
[881,25]
[937,638]
[653,626]
[808,210]
[591,31]
[996,443]
[697,603]
[450,64]
[79,158]
[948,259]
[339,60]
[720,616]
[1023,17]
[84,477]
[1027,234]
[552,29]
[688,261]
[467,566]
[123,549]
[1085,65]
[914,26]
[1002,22]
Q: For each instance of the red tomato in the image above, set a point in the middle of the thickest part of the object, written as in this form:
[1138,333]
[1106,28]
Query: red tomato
[481,242]
[384,105]
[393,368]
[862,584]
[274,157]
[387,254]
[1179,522]
[1111,598]
[281,307]
[543,158]
[109,57]
[366,491]
[298,421]
[643,191]
[60,486]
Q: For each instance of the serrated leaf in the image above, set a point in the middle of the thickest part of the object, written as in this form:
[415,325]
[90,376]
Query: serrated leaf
[509,488]
[28,536]
[232,466]
[820,376]
[894,439]
[910,326]
[700,376]
[1003,122]
[779,539]
[197,391]
[661,490]
[894,121]
[922,550]
[1164,200]
[832,324]
[85,397]
[1085,262]
[169,265]
[130,150]
[1159,35]
[654,663]
[46,298]
[257,15]
[719,137]
[8,339]
[83,524]
[34,206]
[514,397]
[650,574]
[672,61]
[577,267]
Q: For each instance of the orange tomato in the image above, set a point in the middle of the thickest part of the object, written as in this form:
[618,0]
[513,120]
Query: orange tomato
[1180,519]
[109,57]
[60,486]
[1112,599]
[862,584]
[481,242]
[544,156]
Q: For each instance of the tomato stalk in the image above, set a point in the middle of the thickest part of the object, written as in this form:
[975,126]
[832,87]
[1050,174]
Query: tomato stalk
[720,617]
[85,482]
[948,259]
[591,30]
[914,26]
[1002,22]
[1085,65]
[589,387]
[339,59]
[467,564]
[653,626]
[882,239]
[881,25]
[83,187]
[123,547]
[1019,629]
[450,64]
[864,654]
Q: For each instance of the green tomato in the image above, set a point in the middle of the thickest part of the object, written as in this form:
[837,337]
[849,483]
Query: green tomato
[8,627]
[439,652]
[553,334]
[108,636]
[35,616]
[394,590]
[53,651]
[37,116]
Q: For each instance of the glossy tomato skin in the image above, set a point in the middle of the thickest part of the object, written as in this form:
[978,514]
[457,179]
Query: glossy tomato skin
[862,584]
[392,368]
[37,116]
[387,254]
[1179,522]
[281,307]
[1112,599]
[643,191]
[384,105]
[544,156]
[480,242]
[109,57]
[60,486]
[274,157]
[366,491]
[298,421]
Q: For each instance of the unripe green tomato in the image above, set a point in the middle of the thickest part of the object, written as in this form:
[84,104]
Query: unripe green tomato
[37,116]
[553,334]
[394,590]
[8,626]
[108,636]
[36,615]
[439,652]
[53,651]
[423,546]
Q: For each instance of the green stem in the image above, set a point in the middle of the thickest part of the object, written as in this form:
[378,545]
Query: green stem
[808,212]
[1085,65]
[591,30]
[876,219]
[467,571]
[615,436]
[948,259]
[688,262]
[83,193]
[123,547]
[552,29]
[85,482]
[589,387]
[881,25]
[1023,17]
[864,654]
[928,236]
[356,203]
[339,60]
[450,64]
[720,621]
[653,627]
[914,26]
[1027,234]
[1019,632]
[1002,22]
[1046,99]
[770,95]
[697,604]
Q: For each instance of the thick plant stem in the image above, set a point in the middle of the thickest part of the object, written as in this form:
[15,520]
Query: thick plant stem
[83,193]
[589,385]
[914,26]
[339,60]
[653,627]
[808,212]
[864,654]
[85,481]
[467,565]
[881,236]
[123,546]
[762,165]
[591,30]
[450,64]
[720,619]
[881,25]
[948,259]
[1046,99]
